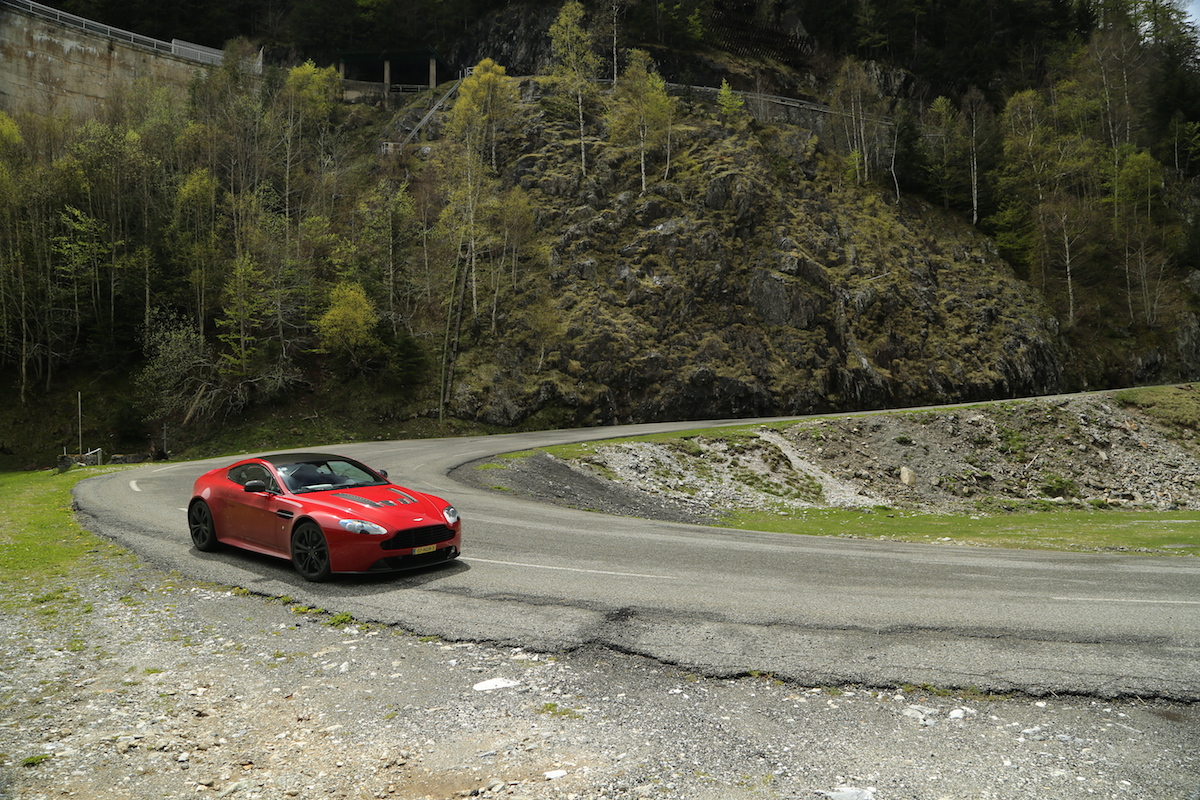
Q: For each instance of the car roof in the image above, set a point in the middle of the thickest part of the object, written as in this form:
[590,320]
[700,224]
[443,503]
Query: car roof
[293,458]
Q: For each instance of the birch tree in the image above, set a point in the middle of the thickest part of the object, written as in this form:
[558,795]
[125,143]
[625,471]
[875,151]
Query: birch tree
[575,64]
[641,110]
[860,125]
[485,108]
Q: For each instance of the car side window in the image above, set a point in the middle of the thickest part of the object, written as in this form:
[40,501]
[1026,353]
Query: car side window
[253,472]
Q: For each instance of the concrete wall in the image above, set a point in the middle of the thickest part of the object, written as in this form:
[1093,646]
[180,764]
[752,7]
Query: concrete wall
[49,67]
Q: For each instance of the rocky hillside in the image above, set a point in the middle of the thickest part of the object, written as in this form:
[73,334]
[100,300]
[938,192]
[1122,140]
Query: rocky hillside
[1087,451]
[751,278]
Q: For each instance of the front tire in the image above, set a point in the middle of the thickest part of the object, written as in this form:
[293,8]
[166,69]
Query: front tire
[310,552]
[202,527]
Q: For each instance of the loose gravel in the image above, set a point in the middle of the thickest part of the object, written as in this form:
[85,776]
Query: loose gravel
[137,684]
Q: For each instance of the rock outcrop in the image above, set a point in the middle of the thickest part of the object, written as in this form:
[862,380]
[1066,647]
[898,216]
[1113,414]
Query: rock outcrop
[749,279]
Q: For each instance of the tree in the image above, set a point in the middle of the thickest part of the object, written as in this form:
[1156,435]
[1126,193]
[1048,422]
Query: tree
[302,115]
[347,328]
[80,251]
[729,101]
[641,109]
[615,9]
[977,117]
[180,376]
[860,122]
[462,225]
[486,106]
[194,240]
[946,159]
[244,305]
[385,230]
[1052,180]
[575,64]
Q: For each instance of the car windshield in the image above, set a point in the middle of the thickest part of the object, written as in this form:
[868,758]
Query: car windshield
[318,476]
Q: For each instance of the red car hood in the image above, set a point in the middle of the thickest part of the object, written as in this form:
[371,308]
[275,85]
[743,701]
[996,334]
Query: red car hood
[390,505]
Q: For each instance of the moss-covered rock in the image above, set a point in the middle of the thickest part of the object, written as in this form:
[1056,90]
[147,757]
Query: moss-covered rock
[748,279]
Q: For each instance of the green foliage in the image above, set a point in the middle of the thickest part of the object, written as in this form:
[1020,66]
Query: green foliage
[181,375]
[575,63]
[241,206]
[245,305]
[555,710]
[10,136]
[485,109]
[1058,486]
[347,328]
[729,102]
[314,92]
[641,111]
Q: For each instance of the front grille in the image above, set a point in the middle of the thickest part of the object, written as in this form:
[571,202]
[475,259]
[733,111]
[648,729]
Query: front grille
[419,537]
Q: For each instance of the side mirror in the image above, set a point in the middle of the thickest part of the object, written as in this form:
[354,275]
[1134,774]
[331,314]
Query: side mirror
[255,486]
[382,472]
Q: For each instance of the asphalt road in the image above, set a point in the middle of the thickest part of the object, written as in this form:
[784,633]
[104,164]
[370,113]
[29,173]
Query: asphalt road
[721,602]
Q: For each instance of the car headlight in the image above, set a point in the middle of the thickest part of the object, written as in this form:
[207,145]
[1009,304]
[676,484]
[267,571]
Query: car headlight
[451,514]
[362,526]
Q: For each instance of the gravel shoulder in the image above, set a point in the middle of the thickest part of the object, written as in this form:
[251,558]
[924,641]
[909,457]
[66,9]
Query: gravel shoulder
[135,684]
[130,682]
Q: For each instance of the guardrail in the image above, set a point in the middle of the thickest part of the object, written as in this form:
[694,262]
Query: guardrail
[175,47]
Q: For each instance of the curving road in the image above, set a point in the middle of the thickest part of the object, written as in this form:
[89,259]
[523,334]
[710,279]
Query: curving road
[813,609]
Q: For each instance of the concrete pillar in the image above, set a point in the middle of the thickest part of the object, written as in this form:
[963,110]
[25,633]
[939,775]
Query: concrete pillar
[342,69]
[387,76]
[432,73]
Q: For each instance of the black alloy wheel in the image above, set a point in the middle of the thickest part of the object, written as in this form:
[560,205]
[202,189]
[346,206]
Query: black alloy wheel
[310,552]
[202,527]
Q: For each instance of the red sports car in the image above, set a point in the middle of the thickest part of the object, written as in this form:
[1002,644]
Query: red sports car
[325,512]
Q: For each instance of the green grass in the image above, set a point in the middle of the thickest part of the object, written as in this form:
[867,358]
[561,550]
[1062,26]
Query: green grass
[40,543]
[555,710]
[1163,533]
[1173,407]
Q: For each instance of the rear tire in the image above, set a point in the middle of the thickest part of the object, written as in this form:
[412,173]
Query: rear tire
[202,527]
[310,552]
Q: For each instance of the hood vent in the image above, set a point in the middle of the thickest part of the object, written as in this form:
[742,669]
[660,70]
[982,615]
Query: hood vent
[365,501]
[406,498]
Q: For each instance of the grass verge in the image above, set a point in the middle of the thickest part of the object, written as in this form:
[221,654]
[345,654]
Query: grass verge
[41,544]
[1157,532]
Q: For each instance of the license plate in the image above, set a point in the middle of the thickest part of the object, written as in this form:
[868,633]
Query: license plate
[420,551]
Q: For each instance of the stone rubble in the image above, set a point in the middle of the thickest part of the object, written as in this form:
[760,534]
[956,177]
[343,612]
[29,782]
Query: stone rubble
[1085,452]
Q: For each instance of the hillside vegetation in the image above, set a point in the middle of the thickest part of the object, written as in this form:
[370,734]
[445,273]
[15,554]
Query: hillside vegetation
[562,250]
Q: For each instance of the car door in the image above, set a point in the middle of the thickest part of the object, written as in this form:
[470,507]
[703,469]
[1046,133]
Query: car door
[252,515]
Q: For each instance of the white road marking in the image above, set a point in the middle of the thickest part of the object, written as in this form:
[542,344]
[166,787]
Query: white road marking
[571,569]
[1126,600]
[133,485]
